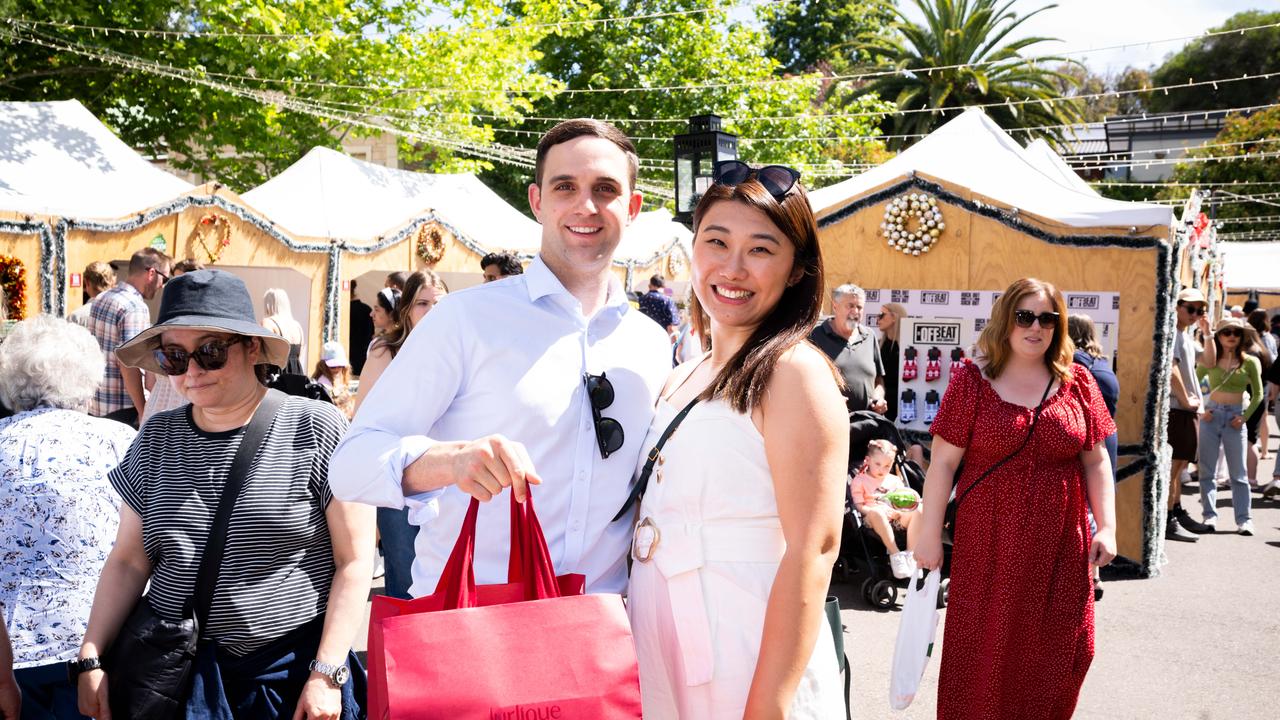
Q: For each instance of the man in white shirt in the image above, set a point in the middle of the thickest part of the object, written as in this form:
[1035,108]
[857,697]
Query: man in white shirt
[491,389]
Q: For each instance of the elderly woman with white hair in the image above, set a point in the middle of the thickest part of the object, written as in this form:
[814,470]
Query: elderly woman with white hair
[58,512]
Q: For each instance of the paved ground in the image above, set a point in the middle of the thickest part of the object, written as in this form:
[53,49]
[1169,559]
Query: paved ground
[1200,642]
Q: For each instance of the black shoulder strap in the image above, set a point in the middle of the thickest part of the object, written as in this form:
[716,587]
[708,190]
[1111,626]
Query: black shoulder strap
[211,559]
[638,491]
[1013,454]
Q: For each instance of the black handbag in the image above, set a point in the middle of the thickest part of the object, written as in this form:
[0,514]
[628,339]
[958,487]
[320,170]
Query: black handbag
[150,661]
[949,518]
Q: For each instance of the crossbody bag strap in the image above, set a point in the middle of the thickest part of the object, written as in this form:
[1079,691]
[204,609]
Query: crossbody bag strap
[1225,378]
[237,476]
[641,484]
[1012,455]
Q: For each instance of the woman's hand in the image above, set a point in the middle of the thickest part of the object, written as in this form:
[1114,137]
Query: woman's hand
[1237,422]
[1206,416]
[320,700]
[1101,551]
[92,690]
[928,552]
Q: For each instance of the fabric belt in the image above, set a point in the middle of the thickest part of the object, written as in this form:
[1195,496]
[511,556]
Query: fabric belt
[678,551]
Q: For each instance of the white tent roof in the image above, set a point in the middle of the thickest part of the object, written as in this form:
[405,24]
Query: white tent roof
[651,233]
[1250,265]
[975,153]
[328,194]
[1051,163]
[56,158]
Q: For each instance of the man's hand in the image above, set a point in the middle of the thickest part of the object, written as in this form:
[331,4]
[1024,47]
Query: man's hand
[482,468]
[92,689]
[1193,404]
[880,405]
[10,698]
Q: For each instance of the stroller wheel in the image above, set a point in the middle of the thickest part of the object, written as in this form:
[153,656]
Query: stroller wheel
[944,592]
[884,595]
[867,586]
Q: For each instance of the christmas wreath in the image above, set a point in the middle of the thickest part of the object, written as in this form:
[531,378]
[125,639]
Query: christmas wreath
[430,244]
[908,237]
[13,278]
[676,263]
[212,229]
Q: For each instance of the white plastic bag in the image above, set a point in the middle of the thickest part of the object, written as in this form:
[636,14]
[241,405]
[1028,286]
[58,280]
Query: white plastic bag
[916,631]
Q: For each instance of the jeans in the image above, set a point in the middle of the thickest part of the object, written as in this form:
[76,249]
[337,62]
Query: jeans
[46,693]
[398,536]
[1216,433]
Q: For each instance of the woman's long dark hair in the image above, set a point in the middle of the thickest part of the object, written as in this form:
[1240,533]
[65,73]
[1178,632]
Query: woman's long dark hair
[745,377]
[394,338]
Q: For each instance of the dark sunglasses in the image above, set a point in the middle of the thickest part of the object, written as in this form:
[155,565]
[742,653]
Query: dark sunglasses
[777,179]
[609,435]
[1024,318]
[1193,310]
[164,278]
[209,356]
[1231,332]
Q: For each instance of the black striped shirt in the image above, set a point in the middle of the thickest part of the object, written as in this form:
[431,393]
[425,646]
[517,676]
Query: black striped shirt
[278,563]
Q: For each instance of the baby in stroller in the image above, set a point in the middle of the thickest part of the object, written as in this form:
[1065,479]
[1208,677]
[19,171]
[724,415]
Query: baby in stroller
[885,502]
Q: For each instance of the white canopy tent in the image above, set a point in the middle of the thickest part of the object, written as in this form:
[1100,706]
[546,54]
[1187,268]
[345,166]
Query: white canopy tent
[973,152]
[1250,265]
[57,159]
[1051,163]
[330,195]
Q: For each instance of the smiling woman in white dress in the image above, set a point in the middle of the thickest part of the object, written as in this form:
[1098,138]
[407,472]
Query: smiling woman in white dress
[740,523]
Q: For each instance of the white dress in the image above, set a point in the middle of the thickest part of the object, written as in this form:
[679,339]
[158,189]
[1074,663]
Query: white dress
[697,605]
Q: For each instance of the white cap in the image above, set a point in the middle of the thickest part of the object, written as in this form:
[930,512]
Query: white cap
[334,355]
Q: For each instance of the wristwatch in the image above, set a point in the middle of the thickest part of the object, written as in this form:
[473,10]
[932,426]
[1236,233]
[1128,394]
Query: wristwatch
[337,674]
[75,667]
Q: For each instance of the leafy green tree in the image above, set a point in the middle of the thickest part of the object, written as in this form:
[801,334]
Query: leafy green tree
[808,35]
[1242,135]
[967,40]
[1096,106]
[1222,57]
[694,43]
[242,108]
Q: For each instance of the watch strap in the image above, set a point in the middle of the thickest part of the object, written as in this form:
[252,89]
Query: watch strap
[82,665]
[337,674]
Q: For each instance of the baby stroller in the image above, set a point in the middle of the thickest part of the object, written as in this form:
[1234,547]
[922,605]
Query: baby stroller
[862,554]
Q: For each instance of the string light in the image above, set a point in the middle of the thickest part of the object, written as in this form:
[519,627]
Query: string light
[789,79]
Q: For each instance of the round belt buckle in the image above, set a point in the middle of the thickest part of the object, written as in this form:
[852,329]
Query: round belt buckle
[645,540]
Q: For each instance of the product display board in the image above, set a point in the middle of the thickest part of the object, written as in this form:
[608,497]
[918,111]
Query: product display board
[940,333]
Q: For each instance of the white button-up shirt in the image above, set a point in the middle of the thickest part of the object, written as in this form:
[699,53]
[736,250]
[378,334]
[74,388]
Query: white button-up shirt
[509,358]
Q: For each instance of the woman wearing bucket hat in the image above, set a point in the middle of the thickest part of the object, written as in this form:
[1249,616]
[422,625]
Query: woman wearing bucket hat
[1223,419]
[289,587]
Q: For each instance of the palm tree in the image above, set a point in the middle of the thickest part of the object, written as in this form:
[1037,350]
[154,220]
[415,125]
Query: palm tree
[964,38]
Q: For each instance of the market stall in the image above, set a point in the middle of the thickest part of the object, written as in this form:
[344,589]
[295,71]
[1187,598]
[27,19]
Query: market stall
[954,219]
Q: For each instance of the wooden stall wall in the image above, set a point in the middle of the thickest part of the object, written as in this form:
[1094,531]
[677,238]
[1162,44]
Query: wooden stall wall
[980,253]
[26,248]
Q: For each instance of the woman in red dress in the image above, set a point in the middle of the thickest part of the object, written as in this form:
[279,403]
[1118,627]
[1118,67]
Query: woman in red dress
[1018,636]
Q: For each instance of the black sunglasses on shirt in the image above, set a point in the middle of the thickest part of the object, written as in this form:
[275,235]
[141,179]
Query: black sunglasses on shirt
[609,435]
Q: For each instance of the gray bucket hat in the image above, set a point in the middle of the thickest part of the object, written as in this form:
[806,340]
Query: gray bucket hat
[211,300]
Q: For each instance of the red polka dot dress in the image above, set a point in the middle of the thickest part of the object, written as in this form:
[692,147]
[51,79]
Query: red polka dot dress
[1018,635]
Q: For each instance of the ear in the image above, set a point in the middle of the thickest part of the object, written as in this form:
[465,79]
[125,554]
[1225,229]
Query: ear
[535,200]
[634,203]
[796,273]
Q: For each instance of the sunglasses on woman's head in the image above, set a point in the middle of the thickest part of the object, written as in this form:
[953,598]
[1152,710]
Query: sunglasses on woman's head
[609,435]
[777,179]
[1024,318]
[209,356]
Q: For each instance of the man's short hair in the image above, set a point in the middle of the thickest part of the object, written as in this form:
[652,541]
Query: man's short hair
[846,290]
[149,258]
[508,264]
[99,275]
[586,127]
[657,281]
[397,278]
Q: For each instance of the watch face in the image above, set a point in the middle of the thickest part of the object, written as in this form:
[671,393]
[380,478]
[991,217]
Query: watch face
[341,675]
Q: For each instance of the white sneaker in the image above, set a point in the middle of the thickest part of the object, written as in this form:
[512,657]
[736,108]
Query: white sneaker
[379,569]
[901,565]
[1272,489]
[1246,528]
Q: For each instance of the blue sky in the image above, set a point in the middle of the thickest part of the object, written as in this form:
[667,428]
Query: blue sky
[1084,24]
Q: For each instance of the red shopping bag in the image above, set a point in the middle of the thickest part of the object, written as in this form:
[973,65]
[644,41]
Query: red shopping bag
[534,648]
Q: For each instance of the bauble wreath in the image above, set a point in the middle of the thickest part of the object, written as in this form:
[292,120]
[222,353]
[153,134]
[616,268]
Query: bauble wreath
[676,263]
[430,244]
[212,229]
[902,234]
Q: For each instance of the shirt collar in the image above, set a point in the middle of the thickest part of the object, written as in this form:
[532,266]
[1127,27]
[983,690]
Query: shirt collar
[541,282]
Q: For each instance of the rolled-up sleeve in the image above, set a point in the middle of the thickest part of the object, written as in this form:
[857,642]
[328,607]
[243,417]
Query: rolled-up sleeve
[392,427]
